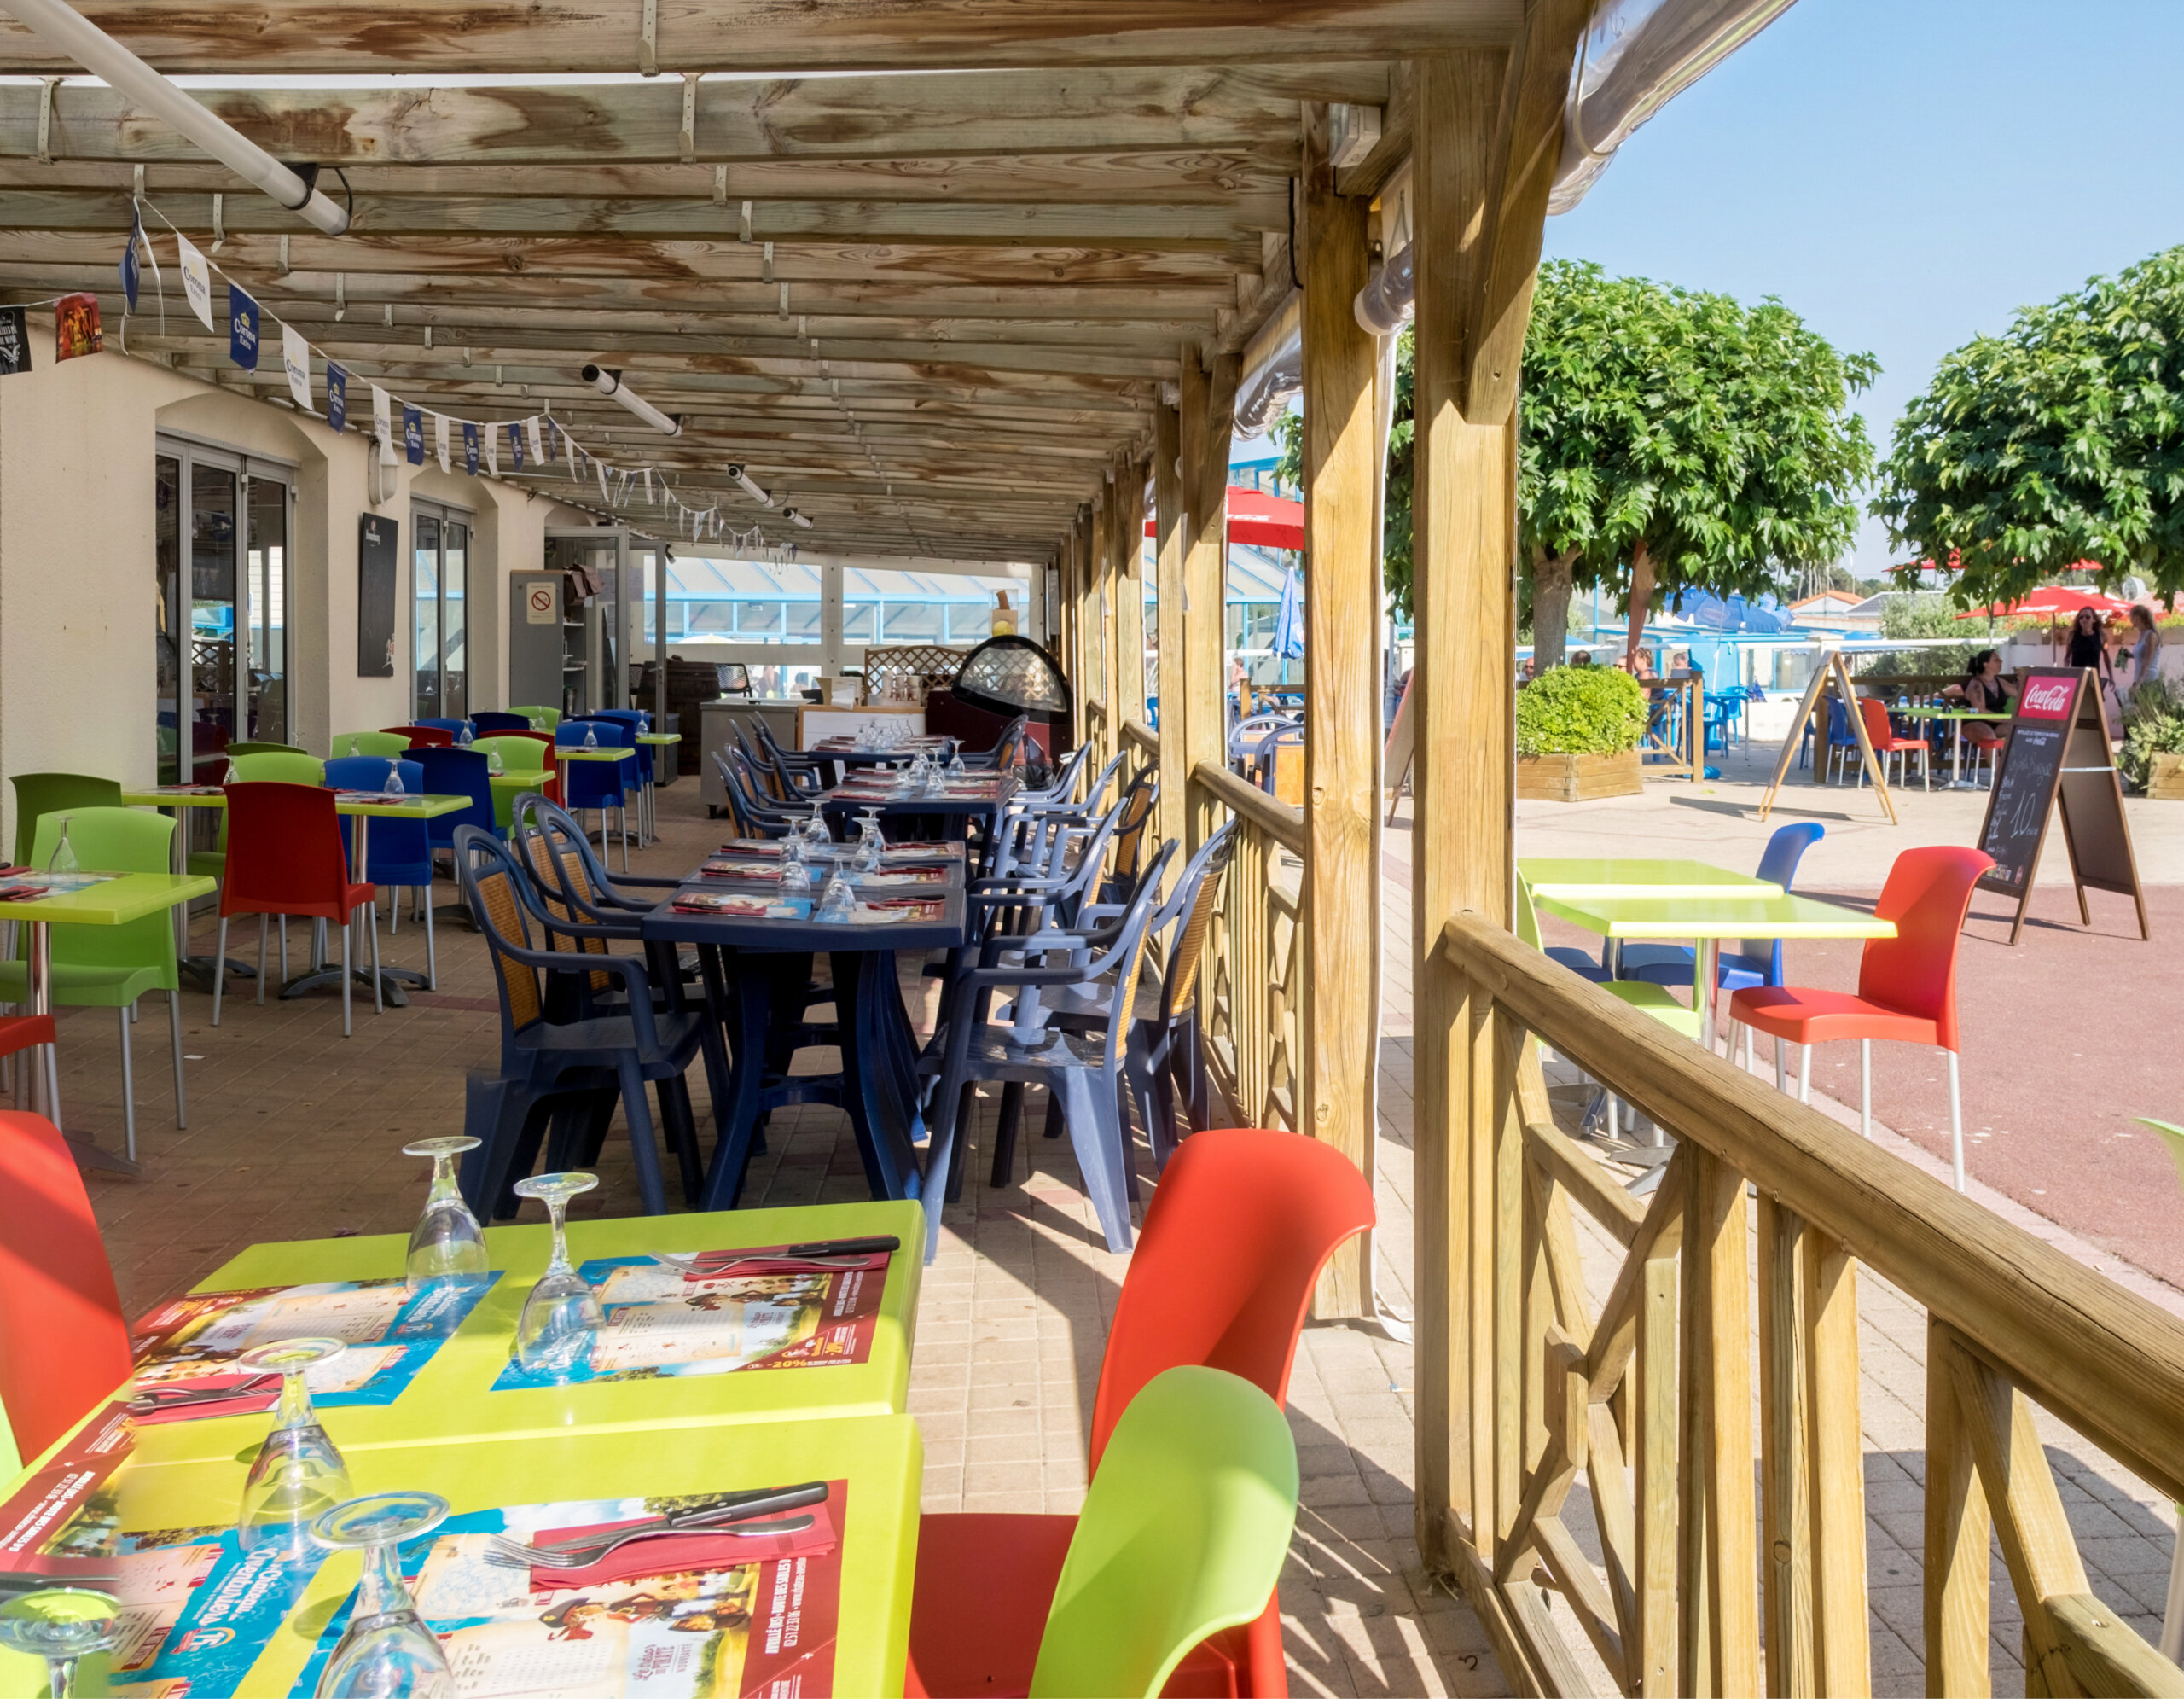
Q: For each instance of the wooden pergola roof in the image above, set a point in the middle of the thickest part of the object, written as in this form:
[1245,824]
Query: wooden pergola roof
[928,297]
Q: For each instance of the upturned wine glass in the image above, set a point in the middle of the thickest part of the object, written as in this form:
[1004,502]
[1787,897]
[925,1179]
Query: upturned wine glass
[61,1625]
[298,1475]
[386,1649]
[447,1242]
[869,842]
[561,1317]
[836,900]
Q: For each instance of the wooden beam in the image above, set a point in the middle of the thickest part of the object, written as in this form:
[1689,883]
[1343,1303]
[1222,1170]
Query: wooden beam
[567,36]
[1171,532]
[1130,585]
[757,121]
[1209,409]
[1342,689]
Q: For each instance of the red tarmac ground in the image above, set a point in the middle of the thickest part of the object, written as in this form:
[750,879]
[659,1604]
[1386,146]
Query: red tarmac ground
[2066,1037]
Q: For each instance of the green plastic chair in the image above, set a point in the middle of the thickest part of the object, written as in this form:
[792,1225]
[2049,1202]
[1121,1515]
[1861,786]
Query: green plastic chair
[388,746]
[280,765]
[1182,1534]
[518,755]
[110,966]
[542,719]
[235,750]
[40,793]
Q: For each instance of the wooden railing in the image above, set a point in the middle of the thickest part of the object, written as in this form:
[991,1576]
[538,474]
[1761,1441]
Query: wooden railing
[1167,815]
[1092,713]
[1250,989]
[1649,1392]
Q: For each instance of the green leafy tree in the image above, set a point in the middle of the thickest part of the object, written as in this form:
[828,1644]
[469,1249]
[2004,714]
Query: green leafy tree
[2060,443]
[1669,441]
[1395,524]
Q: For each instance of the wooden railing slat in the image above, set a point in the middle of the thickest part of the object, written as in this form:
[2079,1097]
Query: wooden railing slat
[1278,820]
[2105,1655]
[1955,1550]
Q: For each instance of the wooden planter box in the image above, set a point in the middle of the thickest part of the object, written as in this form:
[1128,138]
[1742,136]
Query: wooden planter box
[1578,778]
[2166,781]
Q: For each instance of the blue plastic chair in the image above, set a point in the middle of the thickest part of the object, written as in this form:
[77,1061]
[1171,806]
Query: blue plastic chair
[399,852]
[453,728]
[1756,961]
[490,722]
[636,722]
[598,785]
[455,772]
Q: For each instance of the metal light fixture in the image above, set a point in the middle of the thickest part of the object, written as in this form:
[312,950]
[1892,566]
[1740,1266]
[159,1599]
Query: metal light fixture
[610,383]
[796,519]
[294,187]
[737,476]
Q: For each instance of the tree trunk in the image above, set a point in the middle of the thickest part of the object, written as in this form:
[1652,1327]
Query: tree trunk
[1641,597]
[1551,584]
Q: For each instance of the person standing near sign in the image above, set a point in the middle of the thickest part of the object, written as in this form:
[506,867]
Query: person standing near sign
[2088,648]
[2142,659]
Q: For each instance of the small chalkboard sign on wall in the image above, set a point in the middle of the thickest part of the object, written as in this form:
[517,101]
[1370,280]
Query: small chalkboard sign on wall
[379,576]
[2059,752]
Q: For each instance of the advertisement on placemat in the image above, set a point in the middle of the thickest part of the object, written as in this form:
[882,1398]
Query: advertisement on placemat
[391,1333]
[645,1621]
[662,1323]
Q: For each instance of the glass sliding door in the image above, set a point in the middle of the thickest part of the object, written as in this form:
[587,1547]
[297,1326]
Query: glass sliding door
[439,587]
[220,562]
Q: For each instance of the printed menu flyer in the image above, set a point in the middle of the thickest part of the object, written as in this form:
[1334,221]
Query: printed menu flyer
[662,1323]
[392,1332]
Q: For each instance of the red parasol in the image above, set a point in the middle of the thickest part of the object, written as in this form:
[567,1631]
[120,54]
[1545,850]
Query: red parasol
[1261,521]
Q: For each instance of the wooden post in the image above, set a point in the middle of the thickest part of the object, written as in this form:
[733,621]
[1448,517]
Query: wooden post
[1099,602]
[1130,588]
[1342,689]
[1485,135]
[1167,505]
[1209,411]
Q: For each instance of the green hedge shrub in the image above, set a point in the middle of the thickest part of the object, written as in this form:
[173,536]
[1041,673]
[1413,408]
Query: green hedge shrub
[1580,710]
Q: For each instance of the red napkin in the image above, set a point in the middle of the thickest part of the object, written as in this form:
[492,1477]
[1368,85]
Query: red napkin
[245,1404]
[700,1549]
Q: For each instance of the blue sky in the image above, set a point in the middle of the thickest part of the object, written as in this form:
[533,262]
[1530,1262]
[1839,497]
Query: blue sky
[1906,173]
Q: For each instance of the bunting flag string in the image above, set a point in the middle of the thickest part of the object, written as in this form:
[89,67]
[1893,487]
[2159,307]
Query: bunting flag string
[534,441]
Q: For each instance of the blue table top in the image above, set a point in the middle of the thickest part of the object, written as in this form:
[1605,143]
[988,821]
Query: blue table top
[760,934]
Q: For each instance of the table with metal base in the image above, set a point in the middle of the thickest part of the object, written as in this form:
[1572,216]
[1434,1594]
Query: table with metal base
[1958,716]
[197,970]
[363,810]
[648,805]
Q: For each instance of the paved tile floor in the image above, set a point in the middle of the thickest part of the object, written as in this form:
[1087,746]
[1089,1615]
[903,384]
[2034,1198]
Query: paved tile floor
[296,1132]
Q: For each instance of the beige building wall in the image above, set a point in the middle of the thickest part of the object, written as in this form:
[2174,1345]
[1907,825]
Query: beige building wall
[77,586]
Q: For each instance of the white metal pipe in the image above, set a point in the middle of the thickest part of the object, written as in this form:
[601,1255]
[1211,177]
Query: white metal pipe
[796,519]
[107,59]
[610,383]
[737,476]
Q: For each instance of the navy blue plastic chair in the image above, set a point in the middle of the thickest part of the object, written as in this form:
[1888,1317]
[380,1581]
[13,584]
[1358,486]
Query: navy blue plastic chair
[456,772]
[598,785]
[491,723]
[550,1066]
[1755,961]
[399,852]
[453,728]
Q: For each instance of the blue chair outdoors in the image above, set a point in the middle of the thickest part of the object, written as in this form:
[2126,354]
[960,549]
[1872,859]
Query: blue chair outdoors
[598,785]
[490,722]
[399,853]
[453,728]
[1756,961]
[636,722]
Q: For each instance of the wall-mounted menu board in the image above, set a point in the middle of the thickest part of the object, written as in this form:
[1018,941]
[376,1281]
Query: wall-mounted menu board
[2059,752]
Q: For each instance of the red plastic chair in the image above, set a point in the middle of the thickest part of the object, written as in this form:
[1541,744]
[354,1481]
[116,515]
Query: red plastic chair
[1906,984]
[20,1032]
[1885,742]
[63,1344]
[1242,1224]
[430,737]
[552,789]
[285,856]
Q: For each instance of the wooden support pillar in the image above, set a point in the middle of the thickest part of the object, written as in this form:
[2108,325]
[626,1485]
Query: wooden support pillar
[1130,587]
[1342,697]
[1485,138]
[1169,531]
[1209,414]
[1097,604]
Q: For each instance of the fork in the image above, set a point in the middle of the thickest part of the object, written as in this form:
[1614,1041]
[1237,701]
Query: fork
[156,1397]
[689,1262]
[511,1554]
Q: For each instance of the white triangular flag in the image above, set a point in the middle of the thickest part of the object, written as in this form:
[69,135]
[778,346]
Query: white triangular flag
[493,450]
[439,439]
[601,468]
[383,415]
[647,486]
[537,448]
[196,281]
[296,360]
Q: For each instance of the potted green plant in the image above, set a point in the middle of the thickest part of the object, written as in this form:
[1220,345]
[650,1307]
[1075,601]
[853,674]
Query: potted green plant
[1577,733]
[2154,741]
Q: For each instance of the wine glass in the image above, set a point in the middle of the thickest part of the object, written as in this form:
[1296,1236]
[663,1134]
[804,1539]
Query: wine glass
[462,736]
[61,1625]
[297,1474]
[837,901]
[815,829]
[387,1648]
[393,786]
[561,1317]
[956,769]
[590,737]
[64,860]
[493,764]
[447,1242]
[796,879]
[869,842]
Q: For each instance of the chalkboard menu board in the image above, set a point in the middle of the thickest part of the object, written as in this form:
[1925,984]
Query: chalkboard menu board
[2059,752]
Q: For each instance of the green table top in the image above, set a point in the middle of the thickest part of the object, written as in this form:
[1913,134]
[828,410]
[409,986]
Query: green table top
[659,737]
[420,807]
[113,902]
[529,776]
[1951,714]
[1615,876]
[880,1457]
[452,1399]
[580,754]
[1716,918]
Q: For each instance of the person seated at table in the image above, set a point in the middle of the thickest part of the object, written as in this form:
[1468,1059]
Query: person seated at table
[1984,690]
